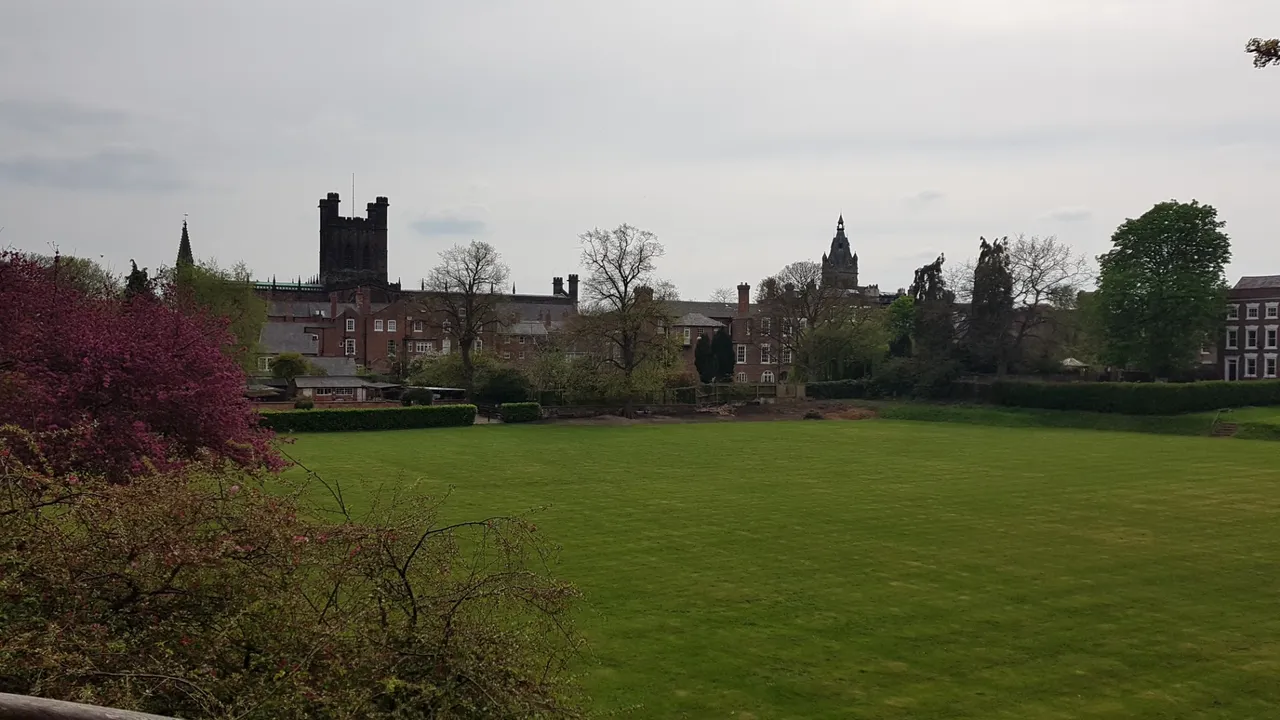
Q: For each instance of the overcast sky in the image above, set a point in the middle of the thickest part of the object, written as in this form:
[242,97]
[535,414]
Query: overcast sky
[737,130]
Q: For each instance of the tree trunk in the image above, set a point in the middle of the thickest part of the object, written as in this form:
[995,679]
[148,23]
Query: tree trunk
[468,371]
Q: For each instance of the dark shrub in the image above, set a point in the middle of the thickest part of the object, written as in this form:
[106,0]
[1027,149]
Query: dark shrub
[303,404]
[503,385]
[396,418]
[416,396]
[520,412]
[836,389]
[1134,398]
[813,415]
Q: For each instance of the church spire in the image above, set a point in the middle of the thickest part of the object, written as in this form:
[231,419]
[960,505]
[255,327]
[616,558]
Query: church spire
[185,258]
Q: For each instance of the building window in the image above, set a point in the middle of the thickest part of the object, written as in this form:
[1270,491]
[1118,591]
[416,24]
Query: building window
[766,376]
[804,323]
[521,356]
[1251,338]
[764,354]
[264,363]
[377,326]
[1273,310]
[742,355]
[391,348]
[417,326]
[1233,338]
[351,347]
[1251,312]
[446,345]
[447,325]
[506,355]
[478,345]
[391,326]
[764,325]
[786,356]
[1233,312]
[688,336]
[1250,366]
[521,339]
[351,324]
[1271,337]
[741,377]
[1270,366]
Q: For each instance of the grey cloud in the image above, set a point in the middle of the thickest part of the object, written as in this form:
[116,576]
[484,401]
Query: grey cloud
[448,225]
[54,116]
[924,197]
[1070,214]
[115,170]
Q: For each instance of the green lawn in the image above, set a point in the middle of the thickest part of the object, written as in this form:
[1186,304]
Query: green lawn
[886,569]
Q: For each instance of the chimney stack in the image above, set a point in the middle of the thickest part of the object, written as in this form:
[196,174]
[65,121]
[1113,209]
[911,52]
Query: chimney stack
[557,286]
[644,294]
[744,299]
[333,305]
[573,287]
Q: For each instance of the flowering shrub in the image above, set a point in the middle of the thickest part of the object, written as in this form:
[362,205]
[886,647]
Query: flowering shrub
[132,385]
[199,592]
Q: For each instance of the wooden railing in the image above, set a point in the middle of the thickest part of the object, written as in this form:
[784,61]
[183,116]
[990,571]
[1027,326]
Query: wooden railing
[25,707]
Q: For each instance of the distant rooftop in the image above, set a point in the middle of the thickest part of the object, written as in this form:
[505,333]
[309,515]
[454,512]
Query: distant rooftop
[1258,282]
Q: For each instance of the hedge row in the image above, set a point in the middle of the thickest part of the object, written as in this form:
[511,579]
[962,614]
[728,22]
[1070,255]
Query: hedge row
[395,418]
[1131,398]
[1110,397]
[520,412]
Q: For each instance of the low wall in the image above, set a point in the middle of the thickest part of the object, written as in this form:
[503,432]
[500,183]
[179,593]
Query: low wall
[326,405]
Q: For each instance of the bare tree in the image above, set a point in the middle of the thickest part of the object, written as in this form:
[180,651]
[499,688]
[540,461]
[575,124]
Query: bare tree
[723,295]
[793,301]
[1046,275]
[467,287]
[624,314]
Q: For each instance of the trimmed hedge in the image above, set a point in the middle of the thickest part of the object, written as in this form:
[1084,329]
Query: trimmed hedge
[1130,398]
[837,389]
[393,418]
[520,412]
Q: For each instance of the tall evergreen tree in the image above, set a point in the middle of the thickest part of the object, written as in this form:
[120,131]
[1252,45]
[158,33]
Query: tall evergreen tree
[138,283]
[991,312]
[704,359]
[185,256]
[934,328]
[726,357]
[1162,288]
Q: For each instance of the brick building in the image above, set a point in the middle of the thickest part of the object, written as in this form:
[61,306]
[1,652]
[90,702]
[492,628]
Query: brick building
[352,313]
[1249,347]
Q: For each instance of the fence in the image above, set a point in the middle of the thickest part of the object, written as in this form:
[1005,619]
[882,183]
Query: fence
[25,707]
[710,394]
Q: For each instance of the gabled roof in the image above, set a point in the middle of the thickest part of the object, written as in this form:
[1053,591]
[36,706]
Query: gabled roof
[282,337]
[697,320]
[339,381]
[1258,282]
[706,309]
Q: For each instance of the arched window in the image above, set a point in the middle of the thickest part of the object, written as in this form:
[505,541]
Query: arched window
[742,377]
[766,377]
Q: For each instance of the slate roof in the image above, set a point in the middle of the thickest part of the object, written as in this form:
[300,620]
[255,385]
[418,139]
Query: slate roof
[338,381]
[280,337]
[697,320]
[706,309]
[1258,282]
[335,365]
[526,327]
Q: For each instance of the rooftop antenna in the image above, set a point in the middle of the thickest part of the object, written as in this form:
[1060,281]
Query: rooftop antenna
[353,196]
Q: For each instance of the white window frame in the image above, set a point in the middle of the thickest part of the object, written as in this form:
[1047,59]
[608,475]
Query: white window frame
[765,325]
[521,356]
[521,339]
[350,347]
[1273,310]
[478,345]
[417,326]
[446,346]
[506,354]
[1233,338]
[765,353]
[740,377]
[1270,336]
[446,325]
[377,325]
[1229,363]
[391,326]
[1251,311]
[786,356]
[351,324]
[768,377]
[1251,358]
[1233,312]
[264,363]
[742,358]
[688,337]
[391,348]
[1269,365]
[1251,337]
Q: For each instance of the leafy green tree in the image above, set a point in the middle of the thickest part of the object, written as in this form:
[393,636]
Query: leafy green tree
[704,359]
[1162,288]
[990,319]
[288,366]
[227,294]
[725,355]
[80,274]
[139,283]
[901,322]
[933,331]
[502,385]
[847,346]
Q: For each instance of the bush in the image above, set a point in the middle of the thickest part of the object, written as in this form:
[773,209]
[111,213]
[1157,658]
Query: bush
[502,385]
[520,412]
[836,389]
[417,396]
[396,418]
[1131,398]
[303,404]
